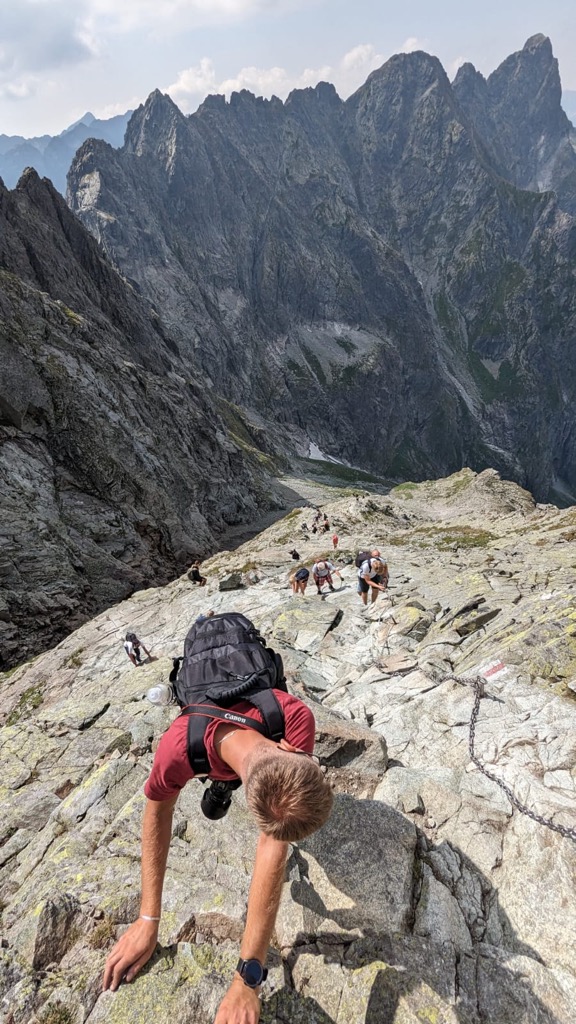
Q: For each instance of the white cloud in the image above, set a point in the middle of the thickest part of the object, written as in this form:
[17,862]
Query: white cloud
[361,58]
[412,44]
[455,66]
[171,17]
[21,88]
[39,36]
[194,83]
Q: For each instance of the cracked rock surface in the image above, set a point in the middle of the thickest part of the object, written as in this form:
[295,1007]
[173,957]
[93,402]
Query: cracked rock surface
[427,897]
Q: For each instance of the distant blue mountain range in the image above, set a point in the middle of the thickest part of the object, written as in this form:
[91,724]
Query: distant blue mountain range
[51,155]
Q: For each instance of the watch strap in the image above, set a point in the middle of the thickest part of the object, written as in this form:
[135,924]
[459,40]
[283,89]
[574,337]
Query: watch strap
[241,968]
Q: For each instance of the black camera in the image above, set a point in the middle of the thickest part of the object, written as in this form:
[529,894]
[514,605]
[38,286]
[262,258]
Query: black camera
[217,798]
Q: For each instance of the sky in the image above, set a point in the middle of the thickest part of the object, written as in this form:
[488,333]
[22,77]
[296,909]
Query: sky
[61,58]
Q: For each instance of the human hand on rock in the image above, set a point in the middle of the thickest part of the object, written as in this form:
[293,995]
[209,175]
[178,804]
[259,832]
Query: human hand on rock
[130,953]
[241,1005]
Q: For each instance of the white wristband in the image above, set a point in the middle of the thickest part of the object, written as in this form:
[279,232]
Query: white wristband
[145,917]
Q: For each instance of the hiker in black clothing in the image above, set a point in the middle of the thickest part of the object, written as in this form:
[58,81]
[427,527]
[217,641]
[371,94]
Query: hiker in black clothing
[294,554]
[194,574]
[132,647]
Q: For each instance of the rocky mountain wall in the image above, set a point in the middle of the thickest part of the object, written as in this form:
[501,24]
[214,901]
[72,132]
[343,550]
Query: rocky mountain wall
[51,156]
[427,897]
[116,467]
[307,254]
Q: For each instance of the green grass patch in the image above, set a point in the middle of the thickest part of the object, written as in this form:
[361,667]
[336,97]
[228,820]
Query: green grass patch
[339,472]
[315,364]
[103,934]
[299,370]
[405,490]
[74,318]
[444,538]
[74,660]
[349,347]
[56,1013]
[247,567]
[29,701]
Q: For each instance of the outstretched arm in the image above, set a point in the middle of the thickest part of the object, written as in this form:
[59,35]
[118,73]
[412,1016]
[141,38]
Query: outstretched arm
[138,943]
[241,1005]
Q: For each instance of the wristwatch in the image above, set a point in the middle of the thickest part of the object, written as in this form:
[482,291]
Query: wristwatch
[252,972]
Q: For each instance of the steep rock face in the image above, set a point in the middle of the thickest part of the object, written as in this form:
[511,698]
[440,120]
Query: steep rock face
[427,897]
[116,467]
[518,112]
[318,258]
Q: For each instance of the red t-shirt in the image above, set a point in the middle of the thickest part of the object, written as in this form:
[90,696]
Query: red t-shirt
[171,769]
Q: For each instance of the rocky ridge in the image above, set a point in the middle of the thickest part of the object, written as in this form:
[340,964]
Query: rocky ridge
[426,898]
[116,466]
[51,155]
[404,244]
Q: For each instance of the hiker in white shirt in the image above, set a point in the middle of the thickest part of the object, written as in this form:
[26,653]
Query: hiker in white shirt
[373,577]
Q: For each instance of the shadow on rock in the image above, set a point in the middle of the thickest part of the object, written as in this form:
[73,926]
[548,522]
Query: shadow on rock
[380,926]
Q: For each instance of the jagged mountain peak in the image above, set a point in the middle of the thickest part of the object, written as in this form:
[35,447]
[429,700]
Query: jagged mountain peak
[538,42]
[468,74]
[323,93]
[151,122]
[529,69]
[403,79]
[518,113]
[417,64]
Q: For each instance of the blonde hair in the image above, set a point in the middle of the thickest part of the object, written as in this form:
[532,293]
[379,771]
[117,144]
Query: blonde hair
[288,795]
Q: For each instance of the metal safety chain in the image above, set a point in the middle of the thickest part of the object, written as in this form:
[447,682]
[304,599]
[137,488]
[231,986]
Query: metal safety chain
[478,685]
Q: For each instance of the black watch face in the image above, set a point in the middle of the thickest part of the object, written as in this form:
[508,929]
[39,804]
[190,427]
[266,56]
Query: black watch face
[252,973]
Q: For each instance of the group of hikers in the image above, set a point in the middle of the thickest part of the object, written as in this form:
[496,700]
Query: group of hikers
[255,734]
[320,524]
[372,575]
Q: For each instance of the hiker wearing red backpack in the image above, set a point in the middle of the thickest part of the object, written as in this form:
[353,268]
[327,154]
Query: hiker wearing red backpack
[238,725]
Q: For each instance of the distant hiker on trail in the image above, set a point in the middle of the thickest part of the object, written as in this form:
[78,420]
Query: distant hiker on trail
[304,527]
[264,741]
[314,528]
[132,647]
[372,576]
[322,573]
[194,574]
[299,580]
[326,524]
[335,541]
[294,554]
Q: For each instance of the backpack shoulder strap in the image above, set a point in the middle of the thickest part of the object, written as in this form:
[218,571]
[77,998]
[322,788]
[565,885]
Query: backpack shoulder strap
[271,711]
[199,717]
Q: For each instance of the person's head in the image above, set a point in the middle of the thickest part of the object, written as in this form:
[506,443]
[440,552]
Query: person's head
[375,553]
[378,564]
[321,565]
[286,793]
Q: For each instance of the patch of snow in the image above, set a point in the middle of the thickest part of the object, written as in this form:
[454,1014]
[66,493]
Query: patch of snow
[316,453]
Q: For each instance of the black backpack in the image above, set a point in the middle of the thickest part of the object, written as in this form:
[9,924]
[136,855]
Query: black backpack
[226,660]
[362,556]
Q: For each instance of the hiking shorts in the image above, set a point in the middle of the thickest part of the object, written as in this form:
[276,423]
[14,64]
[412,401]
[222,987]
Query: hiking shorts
[363,587]
[321,580]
